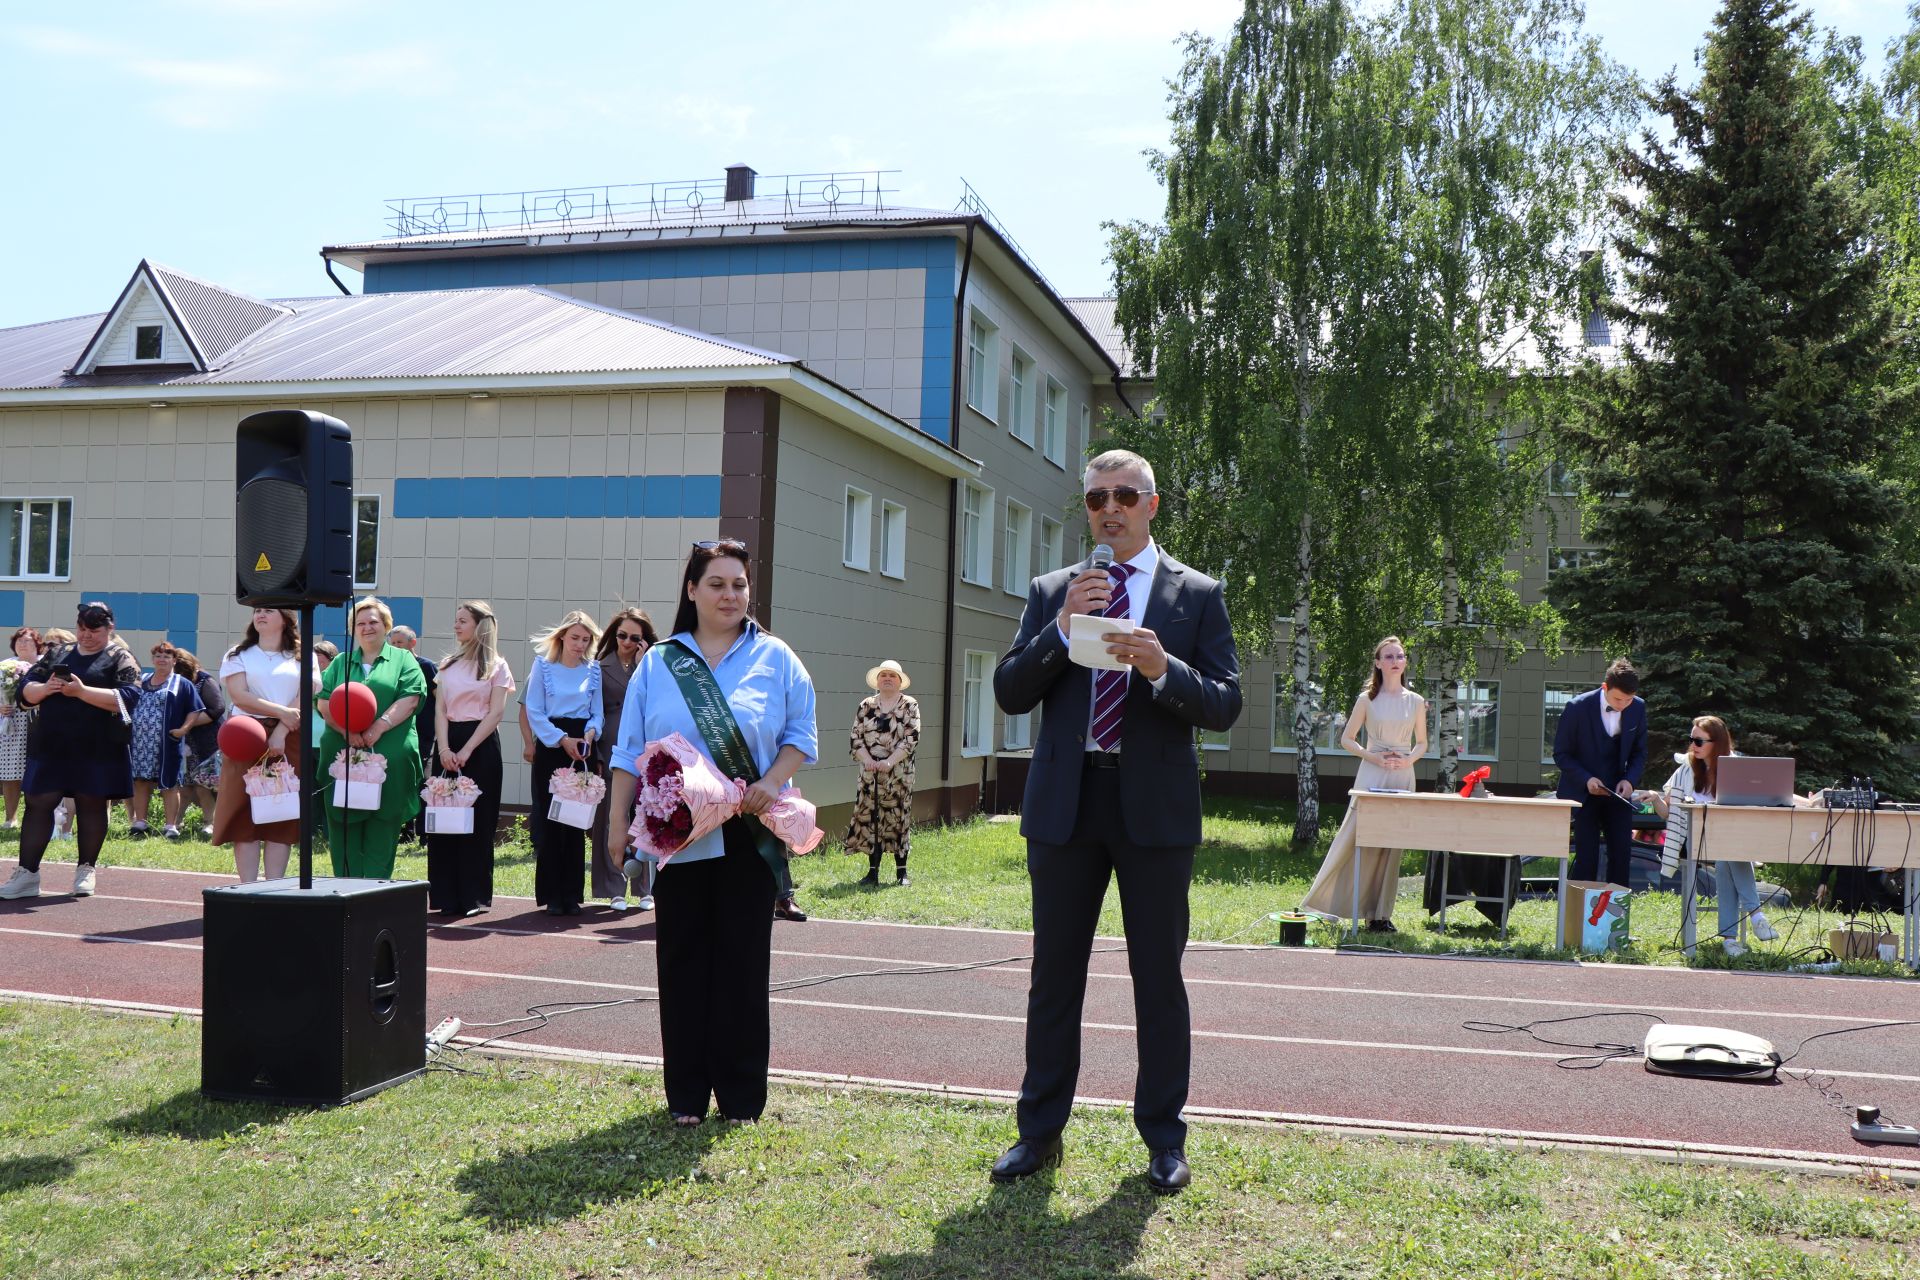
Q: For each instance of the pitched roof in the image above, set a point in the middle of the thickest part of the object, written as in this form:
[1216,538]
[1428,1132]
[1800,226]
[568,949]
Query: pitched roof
[458,333]
[1097,315]
[210,320]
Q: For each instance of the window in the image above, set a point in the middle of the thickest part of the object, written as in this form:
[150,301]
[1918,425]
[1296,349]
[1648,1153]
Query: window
[1553,701]
[1328,739]
[976,705]
[983,366]
[1019,735]
[1559,558]
[1050,545]
[146,342]
[1479,718]
[1086,426]
[366,541]
[1020,409]
[39,537]
[976,538]
[1053,424]
[1211,741]
[856,534]
[893,540]
[1562,480]
[1019,548]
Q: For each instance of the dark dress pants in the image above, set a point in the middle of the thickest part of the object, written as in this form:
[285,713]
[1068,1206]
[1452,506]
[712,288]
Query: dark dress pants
[714,944]
[1597,816]
[559,851]
[1069,884]
[460,867]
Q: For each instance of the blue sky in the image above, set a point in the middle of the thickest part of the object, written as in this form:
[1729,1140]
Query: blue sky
[232,138]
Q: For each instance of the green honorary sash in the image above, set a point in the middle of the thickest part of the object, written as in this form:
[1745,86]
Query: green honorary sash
[725,743]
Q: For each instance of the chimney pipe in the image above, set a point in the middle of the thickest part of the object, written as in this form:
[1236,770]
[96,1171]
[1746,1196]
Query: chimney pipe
[739,182]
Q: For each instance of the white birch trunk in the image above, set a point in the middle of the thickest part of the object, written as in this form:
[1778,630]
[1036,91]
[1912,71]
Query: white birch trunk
[1306,827]
[1447,708]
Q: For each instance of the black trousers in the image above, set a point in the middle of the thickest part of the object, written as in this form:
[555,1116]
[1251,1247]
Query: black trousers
[559,851]
[714,943]
[1069,884]
[1598,815]
[460,868]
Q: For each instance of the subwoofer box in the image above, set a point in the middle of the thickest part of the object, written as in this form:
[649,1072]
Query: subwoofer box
[316,996]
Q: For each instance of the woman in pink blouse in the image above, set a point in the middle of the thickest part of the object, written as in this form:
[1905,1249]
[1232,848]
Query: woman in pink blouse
[474,683]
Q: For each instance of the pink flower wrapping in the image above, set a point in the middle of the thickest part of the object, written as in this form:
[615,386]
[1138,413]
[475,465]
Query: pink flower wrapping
[442,792]
[682,797]
[359,764]
[275,778]
[577,785]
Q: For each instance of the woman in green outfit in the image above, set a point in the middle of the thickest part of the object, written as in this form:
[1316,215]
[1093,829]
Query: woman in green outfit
[362,840]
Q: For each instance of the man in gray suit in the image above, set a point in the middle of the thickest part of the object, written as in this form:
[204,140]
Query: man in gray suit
[1114,792]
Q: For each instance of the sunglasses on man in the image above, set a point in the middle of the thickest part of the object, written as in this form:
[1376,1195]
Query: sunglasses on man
[1126,495]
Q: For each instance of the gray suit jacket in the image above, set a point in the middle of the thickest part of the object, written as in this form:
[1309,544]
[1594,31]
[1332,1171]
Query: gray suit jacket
[1159,767]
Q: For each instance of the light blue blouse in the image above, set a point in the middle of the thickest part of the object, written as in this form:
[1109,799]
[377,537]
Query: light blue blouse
[566,692]
[763,681]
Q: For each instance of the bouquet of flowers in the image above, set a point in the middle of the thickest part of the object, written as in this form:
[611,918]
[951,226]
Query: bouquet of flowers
[456,792]
[683,797]
[358,775]
[13,673]
[576,796]
[273,791]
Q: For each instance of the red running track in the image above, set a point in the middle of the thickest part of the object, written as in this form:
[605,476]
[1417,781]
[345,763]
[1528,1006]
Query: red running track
[1344,1039]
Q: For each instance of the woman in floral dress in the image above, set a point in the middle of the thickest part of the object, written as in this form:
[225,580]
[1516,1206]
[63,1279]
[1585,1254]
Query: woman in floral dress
[886,729]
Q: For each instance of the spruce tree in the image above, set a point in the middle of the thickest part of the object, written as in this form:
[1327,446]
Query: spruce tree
[1750,552]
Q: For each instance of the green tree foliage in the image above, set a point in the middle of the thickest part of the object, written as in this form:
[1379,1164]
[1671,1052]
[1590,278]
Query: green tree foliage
[1752,562]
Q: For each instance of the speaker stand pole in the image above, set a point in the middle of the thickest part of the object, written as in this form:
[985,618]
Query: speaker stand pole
[307,756]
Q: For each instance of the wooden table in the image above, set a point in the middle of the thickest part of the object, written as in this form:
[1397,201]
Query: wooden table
[1501,826]
[1803,837]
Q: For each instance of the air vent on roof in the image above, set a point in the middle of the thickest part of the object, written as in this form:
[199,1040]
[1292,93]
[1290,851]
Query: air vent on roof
[739,182]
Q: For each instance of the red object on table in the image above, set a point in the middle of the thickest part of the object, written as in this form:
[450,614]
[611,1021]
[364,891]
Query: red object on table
[243,738]
[1474,779]
[353,707]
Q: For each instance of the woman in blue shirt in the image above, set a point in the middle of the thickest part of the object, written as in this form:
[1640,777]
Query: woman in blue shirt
[563,707]
[714,900]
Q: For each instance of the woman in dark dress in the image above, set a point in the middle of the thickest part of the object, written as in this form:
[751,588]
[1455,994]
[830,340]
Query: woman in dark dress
[84,693]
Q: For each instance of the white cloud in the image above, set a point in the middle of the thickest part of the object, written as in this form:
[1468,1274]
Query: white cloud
[204,75]
[1076,25]
[709,117]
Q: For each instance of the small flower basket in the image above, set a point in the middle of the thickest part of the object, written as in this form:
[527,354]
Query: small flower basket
[359,774]
[450,801]
[273,792]
[683,797]
[12,675]
[576,795]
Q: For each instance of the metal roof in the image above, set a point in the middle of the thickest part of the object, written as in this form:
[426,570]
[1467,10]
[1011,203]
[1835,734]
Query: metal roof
[217,320]
[458,333]
[1096,315]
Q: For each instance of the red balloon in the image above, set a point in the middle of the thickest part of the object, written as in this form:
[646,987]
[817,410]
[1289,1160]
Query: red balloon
[243,738]
[353,705]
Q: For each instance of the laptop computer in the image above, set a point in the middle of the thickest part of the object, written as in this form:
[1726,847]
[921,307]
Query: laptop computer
[1766,781]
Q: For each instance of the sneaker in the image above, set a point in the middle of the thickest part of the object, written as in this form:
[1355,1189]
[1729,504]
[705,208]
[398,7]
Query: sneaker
[206,831]
[901,881]
[1734,949]
[83,877]
[1762,927]
[617,903]
[138,831]
[23,884]
[173,833]
[645,903]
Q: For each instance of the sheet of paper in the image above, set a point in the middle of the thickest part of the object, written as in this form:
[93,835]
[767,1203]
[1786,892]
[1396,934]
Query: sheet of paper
[1085,645]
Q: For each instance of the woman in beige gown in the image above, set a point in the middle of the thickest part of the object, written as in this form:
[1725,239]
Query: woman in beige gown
[1395,720]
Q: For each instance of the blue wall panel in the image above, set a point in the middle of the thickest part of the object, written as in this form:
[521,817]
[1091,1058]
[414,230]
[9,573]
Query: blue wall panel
[13,611]
[330,621]
[176,615]
[556,497]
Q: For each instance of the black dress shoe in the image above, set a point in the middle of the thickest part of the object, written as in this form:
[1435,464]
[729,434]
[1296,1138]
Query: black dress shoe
[1026,1158]
[1168,1170]
[787,909]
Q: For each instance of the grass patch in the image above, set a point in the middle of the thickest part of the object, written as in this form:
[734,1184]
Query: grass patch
[974,873]
[115,1166]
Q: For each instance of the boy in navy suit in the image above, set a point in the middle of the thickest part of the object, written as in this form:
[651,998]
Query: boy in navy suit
[1601,748]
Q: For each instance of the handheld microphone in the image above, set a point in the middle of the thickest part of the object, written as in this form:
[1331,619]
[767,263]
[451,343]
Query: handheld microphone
[1101,557]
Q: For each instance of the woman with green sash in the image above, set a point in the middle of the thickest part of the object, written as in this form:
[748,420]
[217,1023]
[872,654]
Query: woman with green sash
[362,841]
[745,700]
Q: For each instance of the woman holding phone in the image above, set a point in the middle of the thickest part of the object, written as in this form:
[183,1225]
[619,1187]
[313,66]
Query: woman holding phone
[1395,720]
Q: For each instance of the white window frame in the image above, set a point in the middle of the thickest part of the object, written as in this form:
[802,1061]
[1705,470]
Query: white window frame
[1572,689]
[1053,423]
[983,366]
[1329,743]
[1052,545]
[1018,554]
[893,540]
[1020,371]
[856,530]
[1574,557]
[361,500]
[976,704]
[1211,741]
[1563,481]
[976,534]
[1018,735]
[134,356]
[59,521]
[1464,692]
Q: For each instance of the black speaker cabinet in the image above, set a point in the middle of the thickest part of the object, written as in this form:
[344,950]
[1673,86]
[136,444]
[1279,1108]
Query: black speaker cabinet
[314,996]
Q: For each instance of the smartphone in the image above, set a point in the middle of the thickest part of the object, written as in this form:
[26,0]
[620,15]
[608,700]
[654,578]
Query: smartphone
[62,671]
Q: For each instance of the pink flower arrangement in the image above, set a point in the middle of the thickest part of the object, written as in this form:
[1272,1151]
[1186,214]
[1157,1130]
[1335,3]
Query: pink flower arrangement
[274,778]
[442,792]
[359,764]
[683,797]
[577,786]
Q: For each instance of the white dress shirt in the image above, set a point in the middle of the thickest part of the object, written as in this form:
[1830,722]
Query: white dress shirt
[1609,718]
[1139,587]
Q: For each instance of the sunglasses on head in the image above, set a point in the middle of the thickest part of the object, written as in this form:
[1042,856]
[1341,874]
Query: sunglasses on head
[92,621]
[1125,495]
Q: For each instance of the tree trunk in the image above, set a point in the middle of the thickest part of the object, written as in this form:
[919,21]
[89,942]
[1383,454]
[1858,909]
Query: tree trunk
[1447,706]
[1306,825]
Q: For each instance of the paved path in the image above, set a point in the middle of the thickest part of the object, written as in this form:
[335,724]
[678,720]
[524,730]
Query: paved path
[1363,1040]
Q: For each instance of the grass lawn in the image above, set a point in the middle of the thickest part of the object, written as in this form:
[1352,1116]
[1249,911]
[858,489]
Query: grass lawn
[974,873]
[112,1165]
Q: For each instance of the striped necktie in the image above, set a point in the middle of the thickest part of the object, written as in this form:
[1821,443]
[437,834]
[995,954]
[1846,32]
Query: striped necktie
[1110,687]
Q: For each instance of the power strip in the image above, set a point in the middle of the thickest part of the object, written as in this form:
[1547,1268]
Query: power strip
[1852,798]
[1867,1128]
[450,1027]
